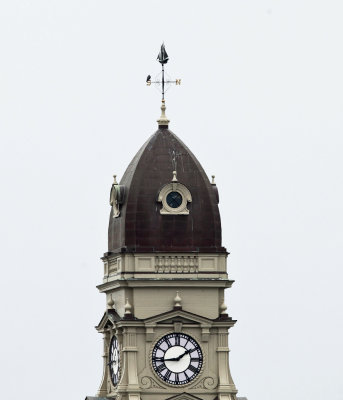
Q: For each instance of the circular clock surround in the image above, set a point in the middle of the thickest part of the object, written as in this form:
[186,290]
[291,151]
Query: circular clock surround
[114,360]
[177,359]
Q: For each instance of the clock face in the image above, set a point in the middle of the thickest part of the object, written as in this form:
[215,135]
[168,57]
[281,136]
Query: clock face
[174,199]
[114,362]
[177,358]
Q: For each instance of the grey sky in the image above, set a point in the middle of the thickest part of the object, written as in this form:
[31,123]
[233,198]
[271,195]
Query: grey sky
[260,105]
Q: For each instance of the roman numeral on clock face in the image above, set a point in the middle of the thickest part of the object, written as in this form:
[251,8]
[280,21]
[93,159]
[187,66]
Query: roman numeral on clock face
[192,368]
[161,367]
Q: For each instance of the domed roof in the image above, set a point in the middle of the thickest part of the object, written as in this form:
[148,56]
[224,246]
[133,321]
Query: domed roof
[141,227]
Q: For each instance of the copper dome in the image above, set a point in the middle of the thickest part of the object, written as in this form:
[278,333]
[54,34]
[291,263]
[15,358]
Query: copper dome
[141,227]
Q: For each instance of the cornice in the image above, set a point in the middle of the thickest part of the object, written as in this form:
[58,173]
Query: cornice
[172,282]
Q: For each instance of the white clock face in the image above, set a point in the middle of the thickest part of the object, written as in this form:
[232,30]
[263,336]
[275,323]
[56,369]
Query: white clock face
[177,358]
[114,362]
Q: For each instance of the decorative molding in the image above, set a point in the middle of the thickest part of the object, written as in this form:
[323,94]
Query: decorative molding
[176,264]
[149,332]
[144,264]
[177,326]
[112,266]
[208,263]
[206,383]
[116,197]
[148,383]
[109,385]
[185,396]
[205,333]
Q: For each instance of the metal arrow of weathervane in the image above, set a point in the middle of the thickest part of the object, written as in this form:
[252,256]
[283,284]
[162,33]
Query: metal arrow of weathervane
[163,59]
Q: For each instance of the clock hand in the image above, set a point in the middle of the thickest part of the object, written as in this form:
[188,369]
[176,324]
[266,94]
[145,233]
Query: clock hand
[186,352]
[166,359]
[172,359]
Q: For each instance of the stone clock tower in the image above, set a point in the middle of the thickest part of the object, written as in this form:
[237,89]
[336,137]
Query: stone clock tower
[165,329]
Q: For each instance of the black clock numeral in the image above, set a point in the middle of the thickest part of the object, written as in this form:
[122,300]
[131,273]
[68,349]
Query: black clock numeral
[192,368]
[161,367]
[193,350]
[158,358]
[195,359]
[168,342]
[167,374]
[177,340]
[177,379]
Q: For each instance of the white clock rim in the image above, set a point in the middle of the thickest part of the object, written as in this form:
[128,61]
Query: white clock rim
[196,338]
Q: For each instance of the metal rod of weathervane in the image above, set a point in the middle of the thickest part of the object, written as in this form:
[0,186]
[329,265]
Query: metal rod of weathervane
[163,59]
[162,81]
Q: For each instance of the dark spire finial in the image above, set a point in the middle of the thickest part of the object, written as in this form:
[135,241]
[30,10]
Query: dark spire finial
[162,55]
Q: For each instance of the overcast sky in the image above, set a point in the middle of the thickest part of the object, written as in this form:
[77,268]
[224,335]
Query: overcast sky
[260,105]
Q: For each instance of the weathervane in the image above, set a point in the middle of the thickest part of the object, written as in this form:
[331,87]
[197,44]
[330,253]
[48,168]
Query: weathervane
[163,59]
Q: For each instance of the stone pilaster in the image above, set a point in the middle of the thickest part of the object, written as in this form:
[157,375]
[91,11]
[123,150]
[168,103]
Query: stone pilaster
[226,388]
[102,392]
[130,353]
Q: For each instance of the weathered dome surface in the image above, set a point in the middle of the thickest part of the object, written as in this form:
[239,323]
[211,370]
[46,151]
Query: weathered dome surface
[141,227]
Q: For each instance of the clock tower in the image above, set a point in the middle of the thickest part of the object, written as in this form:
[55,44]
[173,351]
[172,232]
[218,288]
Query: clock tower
[165,329]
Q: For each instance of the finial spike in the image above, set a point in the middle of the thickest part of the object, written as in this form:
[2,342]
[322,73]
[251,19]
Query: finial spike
[213,182]
[110,303]
[177,301]
[223,308]
[174,177]
[115,180]
[127,307]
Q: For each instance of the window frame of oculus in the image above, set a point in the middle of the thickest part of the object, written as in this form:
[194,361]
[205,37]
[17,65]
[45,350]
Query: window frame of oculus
[184,195]
[181,367]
